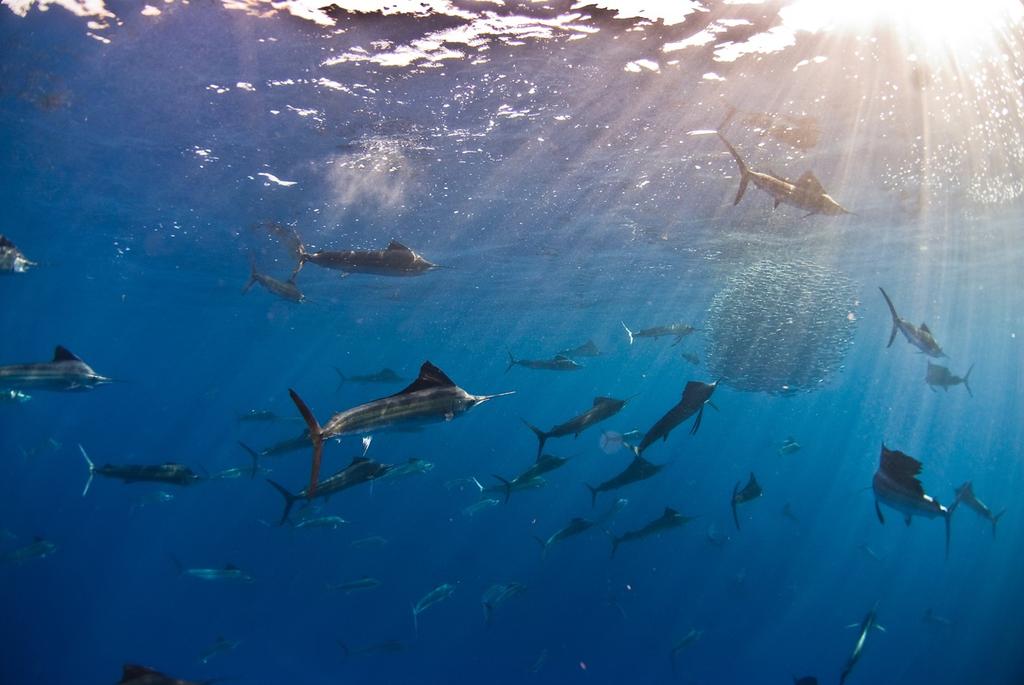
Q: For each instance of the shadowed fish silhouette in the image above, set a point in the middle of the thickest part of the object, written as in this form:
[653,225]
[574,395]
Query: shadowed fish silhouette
[896,485]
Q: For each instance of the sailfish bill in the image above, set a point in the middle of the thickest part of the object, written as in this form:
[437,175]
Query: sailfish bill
[432,397]
[896,485]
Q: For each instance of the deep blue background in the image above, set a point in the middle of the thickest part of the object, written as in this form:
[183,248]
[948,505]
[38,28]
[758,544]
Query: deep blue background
[143,254]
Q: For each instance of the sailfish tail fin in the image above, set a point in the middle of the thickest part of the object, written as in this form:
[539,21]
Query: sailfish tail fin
[92,470]
[967,378]
[252,277]
[995,520]
[289,500]
[744,171]
[541,436]
[316,437]
[254,455]
[895,318]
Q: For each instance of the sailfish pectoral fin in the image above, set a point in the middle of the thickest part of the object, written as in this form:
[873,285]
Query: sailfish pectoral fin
[878,510]
[696,422]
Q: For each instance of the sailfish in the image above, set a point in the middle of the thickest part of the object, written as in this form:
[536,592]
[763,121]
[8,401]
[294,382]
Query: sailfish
[432,397]
[896,485]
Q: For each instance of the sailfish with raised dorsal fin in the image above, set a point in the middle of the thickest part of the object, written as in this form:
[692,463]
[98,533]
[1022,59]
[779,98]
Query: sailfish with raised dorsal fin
[431,398]
[65,372]
[806,193]
[751,491]
[919,336]
[896,485]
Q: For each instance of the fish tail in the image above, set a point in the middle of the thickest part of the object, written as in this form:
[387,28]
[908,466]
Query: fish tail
[511,361]
[543,547]
[995,520]
[507,485]
[345,651]
[415,623]
[341,378]
[615,547]
[895,318]
[92,470]
[967,378]
[254,455]
[735,515]
[744,171]
[541,436]
[252,276]
[730,112]
[593,494]
[628,332]
[289,500]
[316,436]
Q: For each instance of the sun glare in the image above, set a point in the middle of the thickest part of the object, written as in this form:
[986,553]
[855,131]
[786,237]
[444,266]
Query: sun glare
[939,31]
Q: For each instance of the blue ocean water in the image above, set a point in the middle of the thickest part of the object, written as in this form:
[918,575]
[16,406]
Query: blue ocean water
[557,159]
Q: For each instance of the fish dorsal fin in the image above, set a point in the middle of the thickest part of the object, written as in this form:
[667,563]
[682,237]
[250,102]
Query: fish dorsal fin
[562,358]
[430,377]
[810,182]
[395,246]
[360,460]
[63,354]
[230,567]
[603,400]
[670,512]
[132,672]
[693,387]
[925,329]
[902,468]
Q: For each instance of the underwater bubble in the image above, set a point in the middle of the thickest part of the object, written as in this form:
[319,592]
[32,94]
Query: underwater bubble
[781,327]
